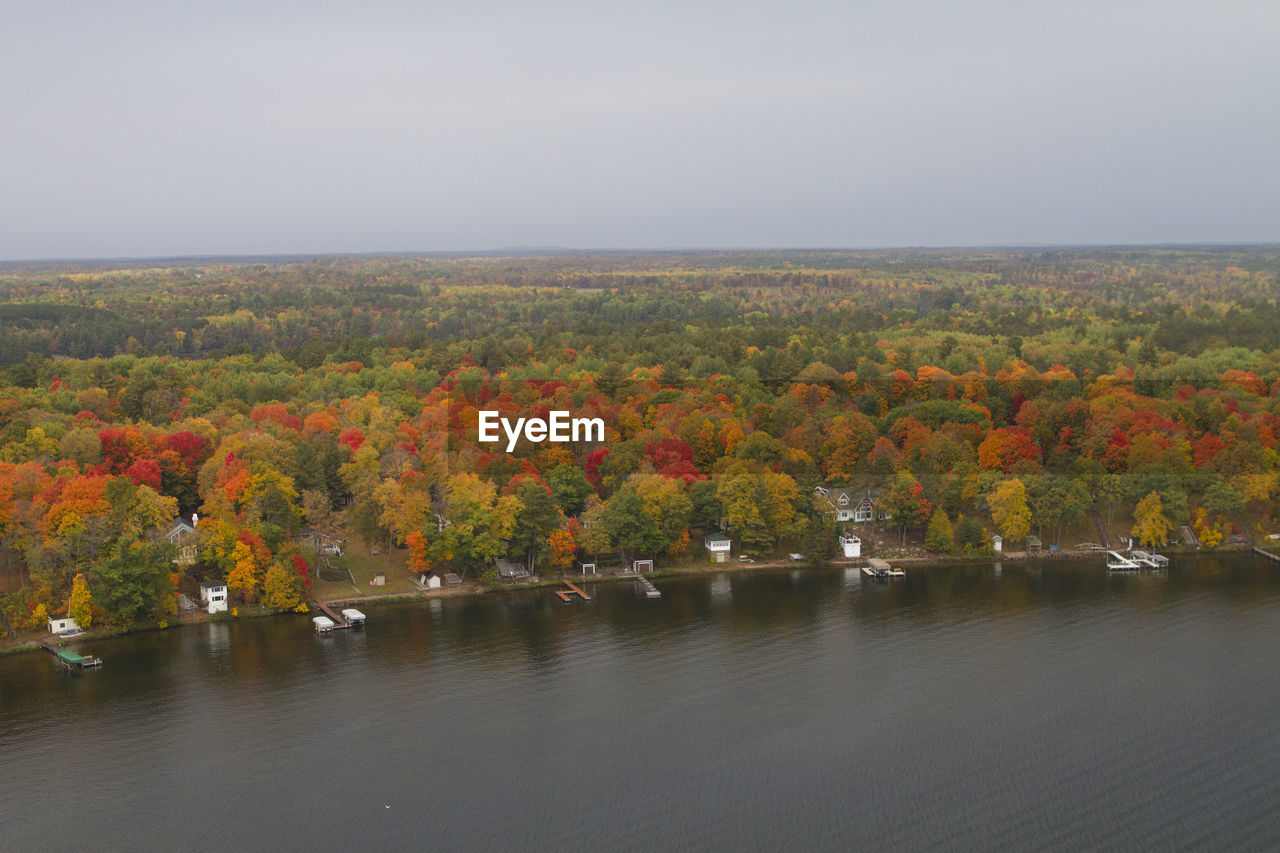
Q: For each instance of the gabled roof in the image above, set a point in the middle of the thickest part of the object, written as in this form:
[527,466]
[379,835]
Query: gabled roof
[508,569]
[179,526]
[851,495]
[307,534]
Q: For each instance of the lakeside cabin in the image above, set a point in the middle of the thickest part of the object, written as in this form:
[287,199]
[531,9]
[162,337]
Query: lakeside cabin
[213,594]
[849,503]
[62,625]
[718,546]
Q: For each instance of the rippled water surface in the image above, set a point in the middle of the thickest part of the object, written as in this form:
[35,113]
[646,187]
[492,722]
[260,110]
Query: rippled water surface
[963,706]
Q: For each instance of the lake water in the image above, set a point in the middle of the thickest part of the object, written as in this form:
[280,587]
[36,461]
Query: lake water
[1034,706]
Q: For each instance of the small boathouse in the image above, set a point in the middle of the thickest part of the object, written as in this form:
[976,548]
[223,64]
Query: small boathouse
[881,570]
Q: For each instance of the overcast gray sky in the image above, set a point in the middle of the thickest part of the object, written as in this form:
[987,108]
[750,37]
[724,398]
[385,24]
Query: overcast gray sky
[164,127]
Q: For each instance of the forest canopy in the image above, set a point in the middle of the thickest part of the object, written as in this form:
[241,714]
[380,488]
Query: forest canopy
[977,391]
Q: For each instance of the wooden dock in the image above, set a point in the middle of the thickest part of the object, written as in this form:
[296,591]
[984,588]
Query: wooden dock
[71,660]
[1117,562]
[336,621]
[566,595]
[1150,561]
[650,591]
[1267,554]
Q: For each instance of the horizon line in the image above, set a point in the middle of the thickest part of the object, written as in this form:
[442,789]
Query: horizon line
[545,251]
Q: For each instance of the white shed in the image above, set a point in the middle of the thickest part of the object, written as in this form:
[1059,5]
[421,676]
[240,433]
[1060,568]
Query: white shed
[214,595]
[997,543]
[430,580]
[718,546]
[62,625]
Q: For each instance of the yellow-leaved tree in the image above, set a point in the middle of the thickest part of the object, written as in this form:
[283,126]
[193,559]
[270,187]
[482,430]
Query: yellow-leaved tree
[1009,510]
[1150,527]
[78,606]
[1209,534]
[280,588]
[243,577]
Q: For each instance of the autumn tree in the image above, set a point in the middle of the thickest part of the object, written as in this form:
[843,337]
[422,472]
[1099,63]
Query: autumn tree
[243,577]
[1009,510]
[1150,527]
[1006,447]
[280,588]
[850,437]
[419,558]
[647,515]
[561,544]
[939,536]
[904,499]
[479,521]
[593,538]
[79,604]
[742,497]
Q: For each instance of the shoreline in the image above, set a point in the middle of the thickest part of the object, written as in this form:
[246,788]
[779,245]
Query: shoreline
[34,643]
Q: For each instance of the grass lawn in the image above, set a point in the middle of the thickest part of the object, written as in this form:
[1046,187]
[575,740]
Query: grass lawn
[364,565]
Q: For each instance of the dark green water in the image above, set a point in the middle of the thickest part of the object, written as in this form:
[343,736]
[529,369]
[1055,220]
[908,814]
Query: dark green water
[961,707]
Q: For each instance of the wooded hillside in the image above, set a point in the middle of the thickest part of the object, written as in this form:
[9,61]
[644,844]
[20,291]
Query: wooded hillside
[981,391]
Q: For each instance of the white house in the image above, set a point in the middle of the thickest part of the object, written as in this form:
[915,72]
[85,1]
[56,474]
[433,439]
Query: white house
[718,546]
[182,533]
[214,594]
[851,545]
[851,504]
[62,625]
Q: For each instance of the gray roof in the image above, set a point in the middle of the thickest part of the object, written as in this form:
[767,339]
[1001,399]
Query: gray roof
[508,569]
[854,494]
